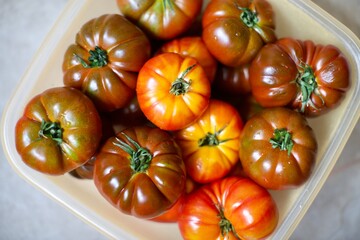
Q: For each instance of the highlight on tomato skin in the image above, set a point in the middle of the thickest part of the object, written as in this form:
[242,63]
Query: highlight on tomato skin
[173,91]
[229,208]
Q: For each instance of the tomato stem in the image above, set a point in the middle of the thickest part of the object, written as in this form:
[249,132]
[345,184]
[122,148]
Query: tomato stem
[282,139]
[211,139]
[180,85]
[140,157]
[248,17]
[51,130]
[308,85]
[225,225]
[98,58]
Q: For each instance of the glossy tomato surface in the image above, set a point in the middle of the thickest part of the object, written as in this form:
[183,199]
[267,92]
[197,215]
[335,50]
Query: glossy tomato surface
[193,47]
[278,148]
[311,78]
[234,31]
[173,91]
[161,19]
[210,146]
[59,131]
[105,59]
[140,171]
[230,208]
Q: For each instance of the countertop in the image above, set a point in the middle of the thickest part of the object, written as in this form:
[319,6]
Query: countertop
[26,213]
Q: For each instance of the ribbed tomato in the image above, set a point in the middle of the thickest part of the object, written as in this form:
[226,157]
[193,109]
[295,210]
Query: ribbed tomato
[173,91]
[210,146]
[311,78]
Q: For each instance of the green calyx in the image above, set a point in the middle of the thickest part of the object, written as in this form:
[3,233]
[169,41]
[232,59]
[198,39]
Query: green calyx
[98,58]
[225,225]
[308,85]
[140,157]
[282,139]
[211,139]
[51,130]
[249,17]
[180,86]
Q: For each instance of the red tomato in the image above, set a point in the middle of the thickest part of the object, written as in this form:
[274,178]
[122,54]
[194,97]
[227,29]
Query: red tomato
[278,148]
[193,47]
[210,146]
[59,131]
[172,91]
[161,19]
[307,77]
[140,171]
[104,61]
[235,30]
[229,208]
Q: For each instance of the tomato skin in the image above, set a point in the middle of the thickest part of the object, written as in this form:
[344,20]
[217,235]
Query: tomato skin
[209,161]
[234,81]
[112,85]
[81,131]
[228,38]
[193,47]
[146,193]
[161,19]
[247,206]
[272,167]
[276,76]
[153,90]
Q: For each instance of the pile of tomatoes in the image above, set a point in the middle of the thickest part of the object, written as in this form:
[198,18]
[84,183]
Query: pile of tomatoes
[178,116]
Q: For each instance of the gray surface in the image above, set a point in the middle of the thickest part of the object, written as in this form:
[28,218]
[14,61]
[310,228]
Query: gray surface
[26,213]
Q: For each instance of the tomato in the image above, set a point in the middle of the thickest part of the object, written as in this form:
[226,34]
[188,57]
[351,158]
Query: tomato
[193,47]
[140,171]
[300,74]
[161,19]
[229,208]
[234,81]
[278,148]
[210,146]
[104,62]
[59,131]
[173,91]
[234,31]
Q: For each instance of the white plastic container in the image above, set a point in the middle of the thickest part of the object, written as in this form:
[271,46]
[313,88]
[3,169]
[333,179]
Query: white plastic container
[299,19]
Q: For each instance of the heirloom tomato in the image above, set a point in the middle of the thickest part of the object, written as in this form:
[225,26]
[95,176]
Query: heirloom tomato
[193,47]
[210,145]
[235,30]
[229,208]
[161,19]
[59,131]
[104,62]
[140,171]
[173,91]
[278,148]
[300,74]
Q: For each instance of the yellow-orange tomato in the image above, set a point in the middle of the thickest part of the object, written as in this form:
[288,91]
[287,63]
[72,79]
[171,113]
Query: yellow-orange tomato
[172,91]
[210,146]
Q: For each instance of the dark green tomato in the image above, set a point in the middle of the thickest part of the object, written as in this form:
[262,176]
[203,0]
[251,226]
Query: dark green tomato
[59,131]
[104,61]
[140,171]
